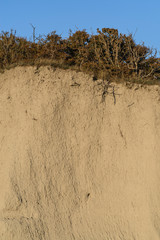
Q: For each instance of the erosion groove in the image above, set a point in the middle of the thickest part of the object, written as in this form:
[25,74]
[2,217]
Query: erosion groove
[80,159]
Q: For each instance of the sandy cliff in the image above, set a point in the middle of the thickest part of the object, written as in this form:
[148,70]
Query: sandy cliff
[76,163]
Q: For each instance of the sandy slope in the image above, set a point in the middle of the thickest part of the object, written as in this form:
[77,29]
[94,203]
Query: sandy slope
[74,165]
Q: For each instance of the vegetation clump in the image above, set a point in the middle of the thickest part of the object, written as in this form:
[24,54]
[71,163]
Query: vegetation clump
[107,54]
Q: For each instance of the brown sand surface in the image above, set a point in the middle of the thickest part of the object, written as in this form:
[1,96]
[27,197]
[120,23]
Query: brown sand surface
[76,165]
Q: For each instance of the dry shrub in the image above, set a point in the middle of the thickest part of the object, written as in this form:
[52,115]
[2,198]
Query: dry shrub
[107,54]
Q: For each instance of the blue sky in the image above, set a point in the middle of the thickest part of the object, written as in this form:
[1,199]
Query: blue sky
[139,17]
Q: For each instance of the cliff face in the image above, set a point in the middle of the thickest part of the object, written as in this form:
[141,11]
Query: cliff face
[76,163]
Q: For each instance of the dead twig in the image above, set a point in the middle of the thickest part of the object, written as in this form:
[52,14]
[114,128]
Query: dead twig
[130,104]
[75,84]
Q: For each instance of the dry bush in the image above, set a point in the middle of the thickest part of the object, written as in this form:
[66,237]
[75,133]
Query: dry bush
[107,54]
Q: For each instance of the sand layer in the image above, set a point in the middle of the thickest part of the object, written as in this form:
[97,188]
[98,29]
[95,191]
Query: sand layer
[77,163]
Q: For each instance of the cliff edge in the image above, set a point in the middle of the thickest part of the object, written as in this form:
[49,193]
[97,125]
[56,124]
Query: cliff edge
[79,159]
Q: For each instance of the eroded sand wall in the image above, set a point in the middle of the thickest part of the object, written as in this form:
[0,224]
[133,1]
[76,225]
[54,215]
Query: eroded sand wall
[75,164]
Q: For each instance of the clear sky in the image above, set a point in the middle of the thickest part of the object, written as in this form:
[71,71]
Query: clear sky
[139,17]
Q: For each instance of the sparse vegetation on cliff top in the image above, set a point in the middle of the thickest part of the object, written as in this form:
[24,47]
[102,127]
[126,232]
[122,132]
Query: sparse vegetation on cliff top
[107,54]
